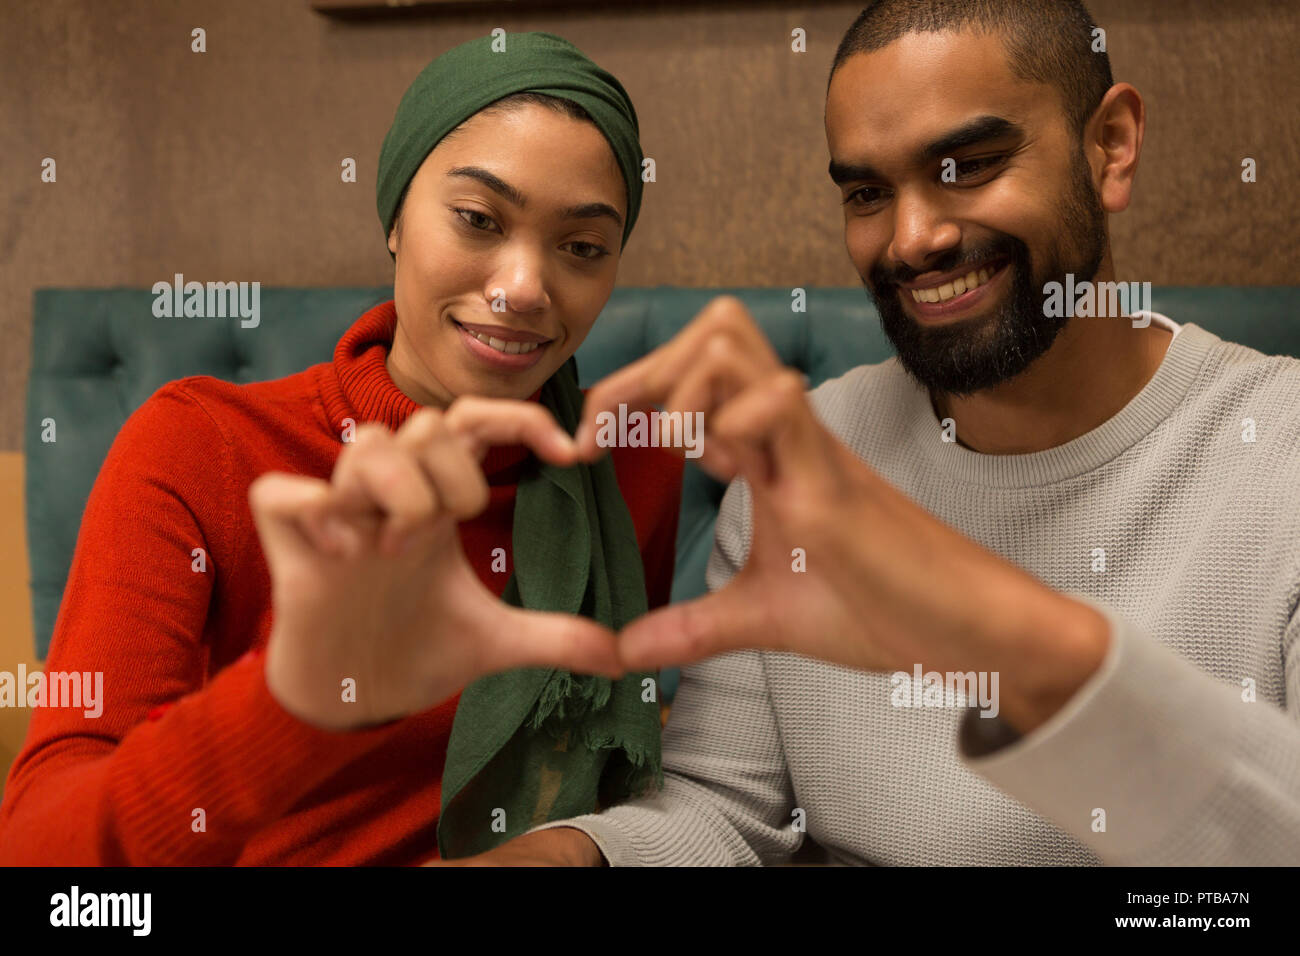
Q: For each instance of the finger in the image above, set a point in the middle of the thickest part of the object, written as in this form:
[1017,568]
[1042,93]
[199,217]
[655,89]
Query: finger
[484,422]
[705,387]
[349,494]
[679,634]
[649,380]
[458,481]
[287,510]
[717,374]
[771,431]
[544,639]
[719,461]
[378,477]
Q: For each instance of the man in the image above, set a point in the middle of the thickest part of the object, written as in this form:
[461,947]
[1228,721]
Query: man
[1108,552]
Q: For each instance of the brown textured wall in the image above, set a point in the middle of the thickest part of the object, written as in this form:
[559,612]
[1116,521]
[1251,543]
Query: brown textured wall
[225,165]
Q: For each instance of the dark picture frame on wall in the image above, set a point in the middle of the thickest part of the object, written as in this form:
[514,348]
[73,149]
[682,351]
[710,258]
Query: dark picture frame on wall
[381,8]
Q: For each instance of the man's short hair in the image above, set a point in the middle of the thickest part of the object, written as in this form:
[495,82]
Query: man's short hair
[1047,41]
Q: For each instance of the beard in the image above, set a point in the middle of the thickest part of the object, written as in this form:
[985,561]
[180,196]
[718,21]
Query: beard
[965,356]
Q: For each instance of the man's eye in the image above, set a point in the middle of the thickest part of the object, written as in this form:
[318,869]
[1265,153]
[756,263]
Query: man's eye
[973,168]
[477,220]
[587,250]
[866,196]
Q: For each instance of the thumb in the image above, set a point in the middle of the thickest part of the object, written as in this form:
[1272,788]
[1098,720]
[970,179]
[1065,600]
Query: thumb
[284,509]
[725,620]
[545,639]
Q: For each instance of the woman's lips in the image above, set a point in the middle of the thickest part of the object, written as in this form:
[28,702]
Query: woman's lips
[502,333]
[509,349]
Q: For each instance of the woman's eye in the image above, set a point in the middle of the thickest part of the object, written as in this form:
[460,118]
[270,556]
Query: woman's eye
[477,220]
[587,250]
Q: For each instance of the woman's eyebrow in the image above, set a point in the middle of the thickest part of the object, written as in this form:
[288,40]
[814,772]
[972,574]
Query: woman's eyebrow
[587,210]
[491,181]
[590,210]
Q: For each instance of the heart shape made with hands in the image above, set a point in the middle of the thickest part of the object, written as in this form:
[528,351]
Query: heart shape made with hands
[758,427]
[369,579]
[842,566]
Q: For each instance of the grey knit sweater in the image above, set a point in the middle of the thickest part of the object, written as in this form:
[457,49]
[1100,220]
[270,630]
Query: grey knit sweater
[1199,577]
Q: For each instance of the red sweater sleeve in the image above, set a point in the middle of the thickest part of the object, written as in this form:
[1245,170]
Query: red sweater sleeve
[124,787]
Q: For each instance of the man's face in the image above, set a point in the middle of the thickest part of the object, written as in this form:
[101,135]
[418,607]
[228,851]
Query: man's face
[507,250]
[1021,209]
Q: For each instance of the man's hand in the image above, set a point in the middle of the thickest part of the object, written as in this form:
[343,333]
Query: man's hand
[558,846]
[886,585]
[369,581]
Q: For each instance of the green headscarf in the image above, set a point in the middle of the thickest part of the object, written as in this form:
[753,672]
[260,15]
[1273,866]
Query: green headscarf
[533,745]
[467,78]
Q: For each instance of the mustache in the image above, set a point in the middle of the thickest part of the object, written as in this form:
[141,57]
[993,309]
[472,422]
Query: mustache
[884,278]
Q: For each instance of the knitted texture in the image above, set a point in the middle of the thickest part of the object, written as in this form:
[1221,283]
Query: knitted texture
[188,722]
[1201,538]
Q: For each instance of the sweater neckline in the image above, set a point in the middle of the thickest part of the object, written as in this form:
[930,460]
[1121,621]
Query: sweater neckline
[357,385]
[1143,413]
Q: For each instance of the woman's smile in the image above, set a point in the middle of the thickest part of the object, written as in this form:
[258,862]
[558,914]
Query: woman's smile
[501,347]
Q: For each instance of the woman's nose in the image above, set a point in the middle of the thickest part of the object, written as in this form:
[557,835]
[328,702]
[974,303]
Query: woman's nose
[519,285]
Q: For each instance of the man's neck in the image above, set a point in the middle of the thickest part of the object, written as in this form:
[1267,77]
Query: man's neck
[1093,369]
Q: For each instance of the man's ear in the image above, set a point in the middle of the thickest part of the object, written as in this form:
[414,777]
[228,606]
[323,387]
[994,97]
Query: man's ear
[1117,131]
[392,240]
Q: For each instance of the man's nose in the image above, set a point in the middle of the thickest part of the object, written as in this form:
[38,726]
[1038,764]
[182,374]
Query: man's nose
[922,230]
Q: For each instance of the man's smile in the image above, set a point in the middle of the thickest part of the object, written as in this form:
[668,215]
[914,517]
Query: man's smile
[956,293]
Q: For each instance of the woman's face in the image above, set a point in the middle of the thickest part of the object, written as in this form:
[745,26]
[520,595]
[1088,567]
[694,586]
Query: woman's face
[507,248]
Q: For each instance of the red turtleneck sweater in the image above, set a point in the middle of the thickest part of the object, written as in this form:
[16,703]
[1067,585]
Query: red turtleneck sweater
[192,760]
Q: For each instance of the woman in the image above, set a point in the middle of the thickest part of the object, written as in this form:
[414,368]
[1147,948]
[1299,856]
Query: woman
[293,696]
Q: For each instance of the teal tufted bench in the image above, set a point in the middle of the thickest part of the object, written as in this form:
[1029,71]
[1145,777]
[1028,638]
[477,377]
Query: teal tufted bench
[97,354]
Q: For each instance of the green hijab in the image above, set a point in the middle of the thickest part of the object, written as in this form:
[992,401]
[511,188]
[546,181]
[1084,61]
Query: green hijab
[533,745]
[467,78]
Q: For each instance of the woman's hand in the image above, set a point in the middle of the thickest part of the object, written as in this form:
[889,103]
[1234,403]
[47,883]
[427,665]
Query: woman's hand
[370,584]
